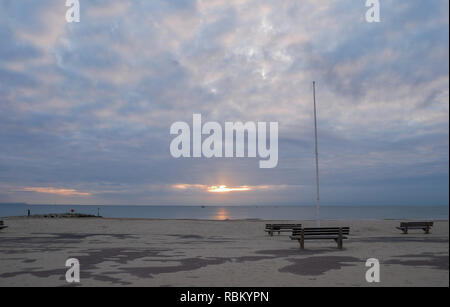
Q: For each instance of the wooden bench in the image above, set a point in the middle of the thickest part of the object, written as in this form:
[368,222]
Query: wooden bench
[2,225]
[271,228]
[338,234]
[425,226]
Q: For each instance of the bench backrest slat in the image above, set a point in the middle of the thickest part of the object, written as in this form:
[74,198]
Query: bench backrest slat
[322,231]
[283,226]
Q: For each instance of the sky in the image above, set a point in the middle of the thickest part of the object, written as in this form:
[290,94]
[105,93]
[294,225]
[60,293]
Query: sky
[86,108]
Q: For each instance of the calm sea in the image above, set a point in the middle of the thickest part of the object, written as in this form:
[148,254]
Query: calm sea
[238,212]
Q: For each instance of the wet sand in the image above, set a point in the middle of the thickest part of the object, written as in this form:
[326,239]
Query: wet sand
[145,252]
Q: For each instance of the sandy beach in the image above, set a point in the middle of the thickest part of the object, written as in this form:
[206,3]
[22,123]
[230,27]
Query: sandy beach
[138,252]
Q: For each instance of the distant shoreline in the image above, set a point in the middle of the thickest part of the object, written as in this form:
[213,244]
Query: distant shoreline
[280,213]
[227,205]
[209,220]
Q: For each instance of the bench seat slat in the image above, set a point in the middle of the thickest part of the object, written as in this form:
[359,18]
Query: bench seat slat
[321,231]
[325,228]
[318,238]
[412,227]
[411,224]
[319,235]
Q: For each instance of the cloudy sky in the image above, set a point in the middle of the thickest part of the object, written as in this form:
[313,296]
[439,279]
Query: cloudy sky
[86,108]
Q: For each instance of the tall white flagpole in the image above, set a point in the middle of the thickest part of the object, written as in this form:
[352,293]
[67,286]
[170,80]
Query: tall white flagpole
[317,158]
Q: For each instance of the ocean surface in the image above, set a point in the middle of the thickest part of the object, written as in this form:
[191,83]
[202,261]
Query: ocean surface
[239,212]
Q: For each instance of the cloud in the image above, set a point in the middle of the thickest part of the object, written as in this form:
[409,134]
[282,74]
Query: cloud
[61,192]
[89,105]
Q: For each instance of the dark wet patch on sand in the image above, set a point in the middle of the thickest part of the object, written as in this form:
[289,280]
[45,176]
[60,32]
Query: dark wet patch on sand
[83,236]
[313,266]
[440,262]
[196,239]
[112,280]
[187,264]
[16,251]
[203,242]
[61,238]
[35,272]
[186,236]
[60,275]
[23,260]
[117,255]
[276,253]
[403,239]
[184,264]
[251,258]
[90,261]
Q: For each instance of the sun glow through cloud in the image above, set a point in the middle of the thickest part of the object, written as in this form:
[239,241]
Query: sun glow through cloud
[225,189]
[62,192]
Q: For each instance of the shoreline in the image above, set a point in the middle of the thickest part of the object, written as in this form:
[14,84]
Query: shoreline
[225,220]
[223,205]
[282,213]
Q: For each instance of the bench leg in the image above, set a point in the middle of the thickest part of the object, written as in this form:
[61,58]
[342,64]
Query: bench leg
[271,233]
[302,239]
[340,243]
[405,231]
[427,230]
[302,244]
[340,239]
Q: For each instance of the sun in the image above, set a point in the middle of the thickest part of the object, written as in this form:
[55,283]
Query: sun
[225,189]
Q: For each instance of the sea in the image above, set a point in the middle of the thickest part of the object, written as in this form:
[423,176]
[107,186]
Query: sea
[265,212]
